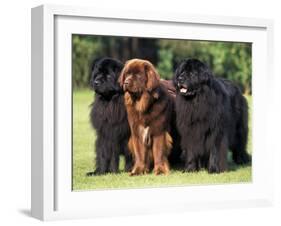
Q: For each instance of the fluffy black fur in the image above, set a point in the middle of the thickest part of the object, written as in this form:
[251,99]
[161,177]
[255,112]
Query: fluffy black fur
[108,117]
[212,117]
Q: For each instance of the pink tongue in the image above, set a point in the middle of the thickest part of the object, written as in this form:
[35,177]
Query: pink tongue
[183,90]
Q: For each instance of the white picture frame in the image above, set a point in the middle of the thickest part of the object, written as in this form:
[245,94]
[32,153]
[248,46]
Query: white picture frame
[52,197]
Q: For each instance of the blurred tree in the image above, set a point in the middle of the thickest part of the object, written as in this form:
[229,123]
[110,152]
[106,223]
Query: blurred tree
[82,54]
[226,59]
[165,64]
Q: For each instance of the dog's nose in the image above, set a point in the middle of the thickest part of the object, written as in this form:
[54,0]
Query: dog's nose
[96,82]
[126,82]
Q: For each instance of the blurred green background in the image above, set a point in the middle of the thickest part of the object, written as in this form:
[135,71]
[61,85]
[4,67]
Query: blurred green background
[226,59]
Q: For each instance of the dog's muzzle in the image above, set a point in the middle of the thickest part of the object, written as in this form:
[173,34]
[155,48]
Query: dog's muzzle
[126,84]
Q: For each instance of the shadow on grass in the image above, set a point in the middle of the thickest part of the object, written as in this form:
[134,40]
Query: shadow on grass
[232,167]
[179,167]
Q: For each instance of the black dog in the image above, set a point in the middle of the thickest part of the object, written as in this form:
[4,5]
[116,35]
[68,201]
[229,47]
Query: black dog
[212,117]
[108,117]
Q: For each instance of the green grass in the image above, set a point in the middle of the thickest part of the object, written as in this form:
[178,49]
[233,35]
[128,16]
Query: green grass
[83,159]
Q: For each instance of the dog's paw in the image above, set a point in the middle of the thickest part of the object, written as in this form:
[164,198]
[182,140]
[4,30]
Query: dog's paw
[215,169]
[242,159]
[90,174]
[190,167]
[94,173]
[162,168]
[139,170]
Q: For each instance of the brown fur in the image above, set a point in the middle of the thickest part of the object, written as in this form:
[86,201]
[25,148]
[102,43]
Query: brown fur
[149,108]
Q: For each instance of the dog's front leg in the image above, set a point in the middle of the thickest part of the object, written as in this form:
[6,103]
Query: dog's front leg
[161,164]
[139,157]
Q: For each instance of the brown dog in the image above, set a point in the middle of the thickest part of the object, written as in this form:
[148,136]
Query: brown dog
[149,108]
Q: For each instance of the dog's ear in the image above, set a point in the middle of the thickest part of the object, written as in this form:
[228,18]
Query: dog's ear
[93,63]
[153,78]
[122,78]
[118,67]
[177,70]
[204,71]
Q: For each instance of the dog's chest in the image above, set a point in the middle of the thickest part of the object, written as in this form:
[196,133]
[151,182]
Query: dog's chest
[145,119]
[192,112]
[110,111]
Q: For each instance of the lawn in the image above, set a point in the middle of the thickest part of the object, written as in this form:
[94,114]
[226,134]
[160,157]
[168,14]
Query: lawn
[83,159]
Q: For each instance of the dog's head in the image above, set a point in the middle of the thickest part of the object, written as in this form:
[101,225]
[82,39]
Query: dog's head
[138,76]
[105,73]
[190,75]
